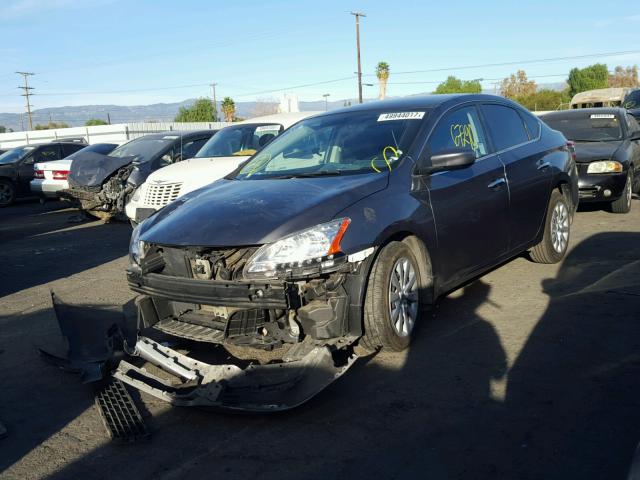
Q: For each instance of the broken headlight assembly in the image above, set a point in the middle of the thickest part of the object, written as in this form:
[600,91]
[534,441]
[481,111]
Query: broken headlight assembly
[302,253]
[604,167]
[137,248]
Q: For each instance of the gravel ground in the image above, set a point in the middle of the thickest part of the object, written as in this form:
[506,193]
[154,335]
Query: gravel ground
[530,372]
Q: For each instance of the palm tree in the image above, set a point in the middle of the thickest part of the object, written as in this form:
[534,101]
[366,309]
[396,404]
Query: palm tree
[228,109]
[382,72]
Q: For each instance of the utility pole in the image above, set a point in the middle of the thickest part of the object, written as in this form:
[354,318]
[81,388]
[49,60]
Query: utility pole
[108,118]
[215,103]
[27,92]
[358,15]
[326,95]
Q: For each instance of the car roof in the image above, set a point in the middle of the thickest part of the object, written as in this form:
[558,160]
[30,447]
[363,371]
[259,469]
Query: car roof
[419,102]
[578,112]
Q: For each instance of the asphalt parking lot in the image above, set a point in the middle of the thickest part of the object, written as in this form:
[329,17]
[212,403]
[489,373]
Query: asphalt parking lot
[532,371]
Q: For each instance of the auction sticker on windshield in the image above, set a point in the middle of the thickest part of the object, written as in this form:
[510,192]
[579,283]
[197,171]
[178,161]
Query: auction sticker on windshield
[385,117]
[267,128]
[602,115]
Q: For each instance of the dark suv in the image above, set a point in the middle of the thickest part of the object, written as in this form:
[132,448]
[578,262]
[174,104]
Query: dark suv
[340,233]
[16,166]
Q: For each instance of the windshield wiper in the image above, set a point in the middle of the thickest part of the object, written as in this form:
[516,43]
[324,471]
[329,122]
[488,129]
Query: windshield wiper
[306,175]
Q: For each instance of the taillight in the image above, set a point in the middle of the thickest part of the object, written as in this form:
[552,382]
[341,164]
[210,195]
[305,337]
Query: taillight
[60,174]
[38,174]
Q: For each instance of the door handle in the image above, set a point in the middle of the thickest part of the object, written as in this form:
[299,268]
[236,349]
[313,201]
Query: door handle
[544,165]
[497,183]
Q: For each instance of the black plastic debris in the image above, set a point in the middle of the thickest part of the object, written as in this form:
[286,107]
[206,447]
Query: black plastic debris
[119,414]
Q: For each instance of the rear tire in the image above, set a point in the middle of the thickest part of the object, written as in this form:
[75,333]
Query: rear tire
[392,302]
[557,229]
[7,193]
[623,204]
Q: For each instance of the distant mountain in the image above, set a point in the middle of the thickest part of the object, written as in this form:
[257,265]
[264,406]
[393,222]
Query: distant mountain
[159,112]
[166,112]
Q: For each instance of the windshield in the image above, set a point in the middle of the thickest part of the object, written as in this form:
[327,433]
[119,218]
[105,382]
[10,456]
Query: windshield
[348,143]
[594,127]
[14,154]
[632,100]
[238,140]
[144,149]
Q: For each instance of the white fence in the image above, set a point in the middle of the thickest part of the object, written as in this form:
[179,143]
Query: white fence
[118,133]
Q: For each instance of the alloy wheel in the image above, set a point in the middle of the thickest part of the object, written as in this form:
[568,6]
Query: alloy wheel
[560,227]
[6,193]
[403,297]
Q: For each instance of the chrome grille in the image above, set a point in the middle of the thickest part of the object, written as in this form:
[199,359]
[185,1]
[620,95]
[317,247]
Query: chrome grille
[158,195]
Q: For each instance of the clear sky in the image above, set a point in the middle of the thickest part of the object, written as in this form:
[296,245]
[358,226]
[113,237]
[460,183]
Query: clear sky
[140,52]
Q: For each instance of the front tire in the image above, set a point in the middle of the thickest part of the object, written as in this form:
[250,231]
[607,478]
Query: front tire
[392,301]
[623,204]
[7,193]
[557,229]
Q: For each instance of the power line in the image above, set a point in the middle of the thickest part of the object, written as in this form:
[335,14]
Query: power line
[517,62]
[27,92]
[342,79]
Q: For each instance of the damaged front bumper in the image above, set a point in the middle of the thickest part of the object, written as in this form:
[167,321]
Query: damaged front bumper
[257,388]
[103,201]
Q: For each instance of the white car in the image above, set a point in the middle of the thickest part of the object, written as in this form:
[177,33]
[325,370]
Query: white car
[49,178]
[218,157]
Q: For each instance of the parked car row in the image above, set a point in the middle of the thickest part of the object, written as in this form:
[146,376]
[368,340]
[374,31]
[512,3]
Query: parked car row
[17,166]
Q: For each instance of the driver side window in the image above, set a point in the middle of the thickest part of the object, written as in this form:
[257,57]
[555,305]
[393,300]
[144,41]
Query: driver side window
[167,159]
[459,130]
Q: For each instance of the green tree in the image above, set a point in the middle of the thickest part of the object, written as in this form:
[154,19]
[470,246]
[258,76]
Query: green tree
[455,85]
[228,109]
[95,121]
[3,129]
[201,111]
[544,99]
[51,126]
[382,72]
[588,78]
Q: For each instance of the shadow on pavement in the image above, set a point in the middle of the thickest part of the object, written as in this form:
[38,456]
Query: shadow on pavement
[40,245]
[447,408]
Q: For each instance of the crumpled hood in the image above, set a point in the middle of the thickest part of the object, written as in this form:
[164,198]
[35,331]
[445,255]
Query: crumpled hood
[196,172]
[591,151]
[231,213]
[90,169]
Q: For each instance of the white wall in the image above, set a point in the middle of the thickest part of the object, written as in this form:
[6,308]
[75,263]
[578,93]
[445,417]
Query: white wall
[118,133]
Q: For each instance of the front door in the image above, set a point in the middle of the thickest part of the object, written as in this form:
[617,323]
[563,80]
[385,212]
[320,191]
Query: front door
[470,205]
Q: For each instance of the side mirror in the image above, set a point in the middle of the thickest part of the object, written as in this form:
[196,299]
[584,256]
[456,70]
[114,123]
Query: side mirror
[445,161]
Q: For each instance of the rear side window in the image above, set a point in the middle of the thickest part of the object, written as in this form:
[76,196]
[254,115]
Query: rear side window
[48,153]
[69,148]
[189,149]
[506,126]
[459,130]
[532,123]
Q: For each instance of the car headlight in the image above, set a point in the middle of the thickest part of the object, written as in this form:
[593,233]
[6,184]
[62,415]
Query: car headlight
[305,252]
[137,247]
[137,194]
[604,167]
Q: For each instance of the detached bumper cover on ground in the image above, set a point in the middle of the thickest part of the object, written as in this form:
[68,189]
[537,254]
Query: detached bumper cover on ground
[258,388]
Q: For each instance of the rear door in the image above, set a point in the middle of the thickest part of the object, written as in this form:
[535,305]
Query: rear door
[470,205]
[529,176]
[42,153]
